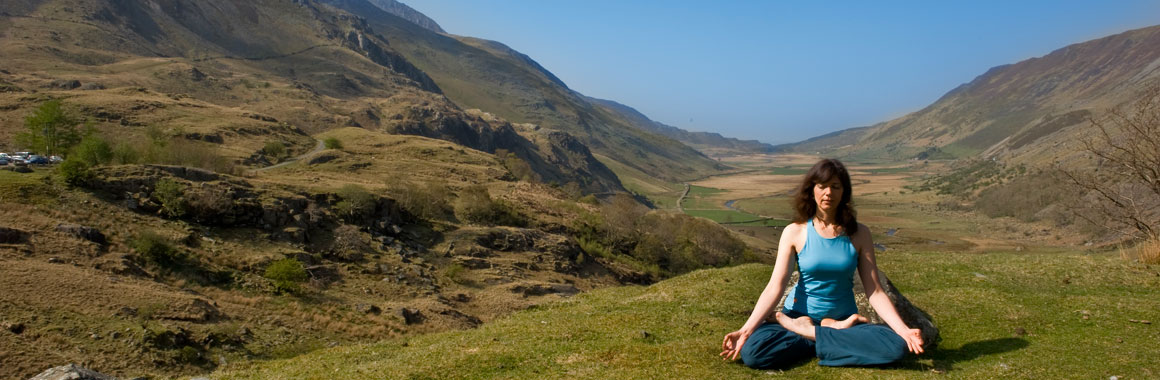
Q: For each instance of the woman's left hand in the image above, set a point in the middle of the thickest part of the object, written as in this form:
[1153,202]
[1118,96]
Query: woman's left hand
[913,338]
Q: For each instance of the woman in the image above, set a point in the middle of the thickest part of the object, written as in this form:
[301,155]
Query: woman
[820,315]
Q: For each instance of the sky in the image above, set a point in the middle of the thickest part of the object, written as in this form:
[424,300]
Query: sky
[781,71]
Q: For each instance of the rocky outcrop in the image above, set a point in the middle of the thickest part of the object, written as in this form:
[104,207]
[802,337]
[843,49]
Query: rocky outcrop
[218,200]
[71,372]
[911,314]
[84,232]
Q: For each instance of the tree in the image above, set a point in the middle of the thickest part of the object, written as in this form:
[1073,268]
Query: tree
[49,128]
[1124,185]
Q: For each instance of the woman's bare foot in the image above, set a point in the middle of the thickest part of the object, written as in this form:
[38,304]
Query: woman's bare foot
[801,325]
[845,323]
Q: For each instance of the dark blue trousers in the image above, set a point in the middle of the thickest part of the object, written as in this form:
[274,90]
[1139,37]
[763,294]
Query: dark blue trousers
[772,346]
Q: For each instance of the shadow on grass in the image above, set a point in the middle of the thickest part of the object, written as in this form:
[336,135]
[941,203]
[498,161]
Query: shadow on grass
[944,360]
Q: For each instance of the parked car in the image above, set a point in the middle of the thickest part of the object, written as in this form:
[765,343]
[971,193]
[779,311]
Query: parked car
[55,160]
[4,161]
[23,155]
[37,159]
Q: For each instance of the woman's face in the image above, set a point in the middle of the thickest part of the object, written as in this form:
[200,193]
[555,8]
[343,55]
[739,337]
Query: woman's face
[828,194]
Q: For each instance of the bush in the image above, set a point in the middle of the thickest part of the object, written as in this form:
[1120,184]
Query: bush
[158,251]
[93,151]
[275,149]
[428,200]
[287,274]
[124,154]
[516,166]
[171,195]
[332,143]
[476,206]
[356,205]
[348,244]
[74,172]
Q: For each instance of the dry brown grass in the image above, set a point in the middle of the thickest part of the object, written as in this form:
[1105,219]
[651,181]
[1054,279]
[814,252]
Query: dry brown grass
[1148,252]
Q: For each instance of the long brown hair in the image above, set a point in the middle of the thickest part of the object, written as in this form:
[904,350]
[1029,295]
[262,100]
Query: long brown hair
[803,202]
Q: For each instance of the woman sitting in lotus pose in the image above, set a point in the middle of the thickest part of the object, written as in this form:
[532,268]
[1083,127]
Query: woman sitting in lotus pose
[820,317]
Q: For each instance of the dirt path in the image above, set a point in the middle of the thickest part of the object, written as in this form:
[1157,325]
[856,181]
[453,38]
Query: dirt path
[682,198]
[317,148]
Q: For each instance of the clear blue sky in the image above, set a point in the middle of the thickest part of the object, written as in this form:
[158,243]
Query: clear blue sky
[780,71]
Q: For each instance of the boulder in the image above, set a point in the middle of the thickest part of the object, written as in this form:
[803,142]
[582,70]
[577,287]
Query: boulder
[411,316]
[911,314]
[12,236]
[71,372]
[88,233]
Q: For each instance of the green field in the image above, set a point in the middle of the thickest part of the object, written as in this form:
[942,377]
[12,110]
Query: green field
[700,197]
[789,170]
[1002,315]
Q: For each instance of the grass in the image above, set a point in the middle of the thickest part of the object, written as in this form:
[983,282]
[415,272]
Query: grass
[29,188]
[701,197]
[1002,315]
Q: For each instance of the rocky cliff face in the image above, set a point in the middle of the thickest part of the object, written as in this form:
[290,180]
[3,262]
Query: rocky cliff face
[407,13]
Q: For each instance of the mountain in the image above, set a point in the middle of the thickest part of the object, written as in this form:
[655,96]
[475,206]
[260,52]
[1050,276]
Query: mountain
[1023,111]
[706,142]
[407,13]
[299,63]
[489,76]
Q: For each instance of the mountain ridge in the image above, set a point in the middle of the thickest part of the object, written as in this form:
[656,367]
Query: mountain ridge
[1021,111]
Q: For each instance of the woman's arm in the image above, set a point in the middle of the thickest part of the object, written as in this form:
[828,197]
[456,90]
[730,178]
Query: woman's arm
[868,271]
[786,249]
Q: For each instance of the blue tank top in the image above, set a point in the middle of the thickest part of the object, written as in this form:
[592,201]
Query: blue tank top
[825,287]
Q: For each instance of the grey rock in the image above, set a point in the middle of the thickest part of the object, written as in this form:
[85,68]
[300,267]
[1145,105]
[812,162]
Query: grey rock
[71,372]
[367,308]
[84,232]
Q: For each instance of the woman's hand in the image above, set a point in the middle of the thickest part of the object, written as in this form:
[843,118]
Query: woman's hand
[913,338]
[731,346]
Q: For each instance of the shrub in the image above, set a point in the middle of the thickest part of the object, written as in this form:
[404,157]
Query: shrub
[516,166]
[75,172]
[124,153]
[332,143]
[287,274]
[93,151]
[476,206]
[349,244]
[157,250]
[356,203]
[275,149]
[171,195]
[428,200]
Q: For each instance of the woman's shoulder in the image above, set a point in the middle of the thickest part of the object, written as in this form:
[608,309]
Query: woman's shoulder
[795,227]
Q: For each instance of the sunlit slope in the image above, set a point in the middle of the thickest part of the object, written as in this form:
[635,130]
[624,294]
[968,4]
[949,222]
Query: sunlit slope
[1006,315]
[1029,112]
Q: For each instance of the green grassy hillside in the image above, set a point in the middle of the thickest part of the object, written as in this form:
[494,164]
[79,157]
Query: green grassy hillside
[1003,315]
